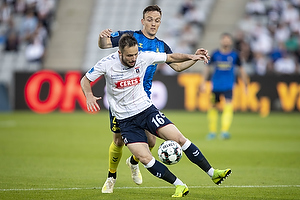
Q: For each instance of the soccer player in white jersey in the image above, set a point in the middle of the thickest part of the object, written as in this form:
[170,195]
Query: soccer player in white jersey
[134,111]
[147,41]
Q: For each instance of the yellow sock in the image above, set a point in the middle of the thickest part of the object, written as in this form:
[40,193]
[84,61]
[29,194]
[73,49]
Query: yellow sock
[226,119]
[115,154]
[212,116]
[150,148]
[137,160]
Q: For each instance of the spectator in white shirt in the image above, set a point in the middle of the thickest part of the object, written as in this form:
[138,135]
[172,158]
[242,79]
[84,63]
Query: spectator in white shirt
[285,65]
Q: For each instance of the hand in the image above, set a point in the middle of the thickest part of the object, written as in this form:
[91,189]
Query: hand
[202,51]
[105,33]
[91,103]
[200,57]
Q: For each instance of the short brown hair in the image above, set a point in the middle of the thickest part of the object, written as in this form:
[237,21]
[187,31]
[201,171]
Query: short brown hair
[127,40]
[151,8]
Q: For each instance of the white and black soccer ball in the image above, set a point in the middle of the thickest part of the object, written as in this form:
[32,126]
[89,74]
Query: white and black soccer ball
[170,152]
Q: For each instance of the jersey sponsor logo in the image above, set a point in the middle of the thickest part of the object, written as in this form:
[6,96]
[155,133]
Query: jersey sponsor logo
[223,65]
[127,83]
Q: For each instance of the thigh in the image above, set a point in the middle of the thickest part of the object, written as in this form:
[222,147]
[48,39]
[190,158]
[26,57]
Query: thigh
[171,132]
[141,151]
[151,139]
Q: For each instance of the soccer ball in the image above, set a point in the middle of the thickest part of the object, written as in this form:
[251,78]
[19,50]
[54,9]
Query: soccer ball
[170,152]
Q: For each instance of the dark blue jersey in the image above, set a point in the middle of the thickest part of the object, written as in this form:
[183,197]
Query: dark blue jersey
[145,44]
[223,77]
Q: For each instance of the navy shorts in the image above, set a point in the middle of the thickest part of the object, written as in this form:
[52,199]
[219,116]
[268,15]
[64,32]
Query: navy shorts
[216,96]
[133,128]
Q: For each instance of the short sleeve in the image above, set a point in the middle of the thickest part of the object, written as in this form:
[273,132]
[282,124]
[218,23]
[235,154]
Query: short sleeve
[96,71]
[238,61]
[167,49]
[212,59]
[115,37]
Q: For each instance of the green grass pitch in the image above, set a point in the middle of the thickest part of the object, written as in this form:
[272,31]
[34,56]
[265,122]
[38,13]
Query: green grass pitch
[64,156]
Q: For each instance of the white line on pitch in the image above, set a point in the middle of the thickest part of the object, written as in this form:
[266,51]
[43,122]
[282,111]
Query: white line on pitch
[229,186]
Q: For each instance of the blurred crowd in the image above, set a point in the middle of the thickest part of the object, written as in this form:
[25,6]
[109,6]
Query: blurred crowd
[25,26]
[268,37]
[185,29]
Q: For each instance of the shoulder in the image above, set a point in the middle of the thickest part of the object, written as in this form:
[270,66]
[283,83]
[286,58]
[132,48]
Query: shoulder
[108,60]
[216,51]
[166,47]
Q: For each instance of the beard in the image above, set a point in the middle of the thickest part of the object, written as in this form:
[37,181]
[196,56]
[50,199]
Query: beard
[128,64]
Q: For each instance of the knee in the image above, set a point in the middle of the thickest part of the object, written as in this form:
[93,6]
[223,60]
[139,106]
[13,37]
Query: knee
[145,159]
[181,140]
[118,141]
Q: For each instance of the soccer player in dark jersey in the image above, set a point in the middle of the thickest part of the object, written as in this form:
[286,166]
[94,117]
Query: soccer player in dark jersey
[224,60]
[147,41]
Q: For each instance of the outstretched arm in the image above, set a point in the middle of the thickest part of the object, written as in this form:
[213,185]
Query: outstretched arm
[104,41]
[180,57]
[91,100]
[178,67]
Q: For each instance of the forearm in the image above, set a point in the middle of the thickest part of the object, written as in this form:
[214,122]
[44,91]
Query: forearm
[178,57]
[91,100]
[86,87]
[178,67]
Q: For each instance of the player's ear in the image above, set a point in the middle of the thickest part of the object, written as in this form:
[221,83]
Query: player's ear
[120,53]
[142,21]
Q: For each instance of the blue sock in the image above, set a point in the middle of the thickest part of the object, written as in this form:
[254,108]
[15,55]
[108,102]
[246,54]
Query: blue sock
[161,171]
[194,154]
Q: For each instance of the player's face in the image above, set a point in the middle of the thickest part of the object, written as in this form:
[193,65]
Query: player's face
[151,23]
[226,41]
[129,55]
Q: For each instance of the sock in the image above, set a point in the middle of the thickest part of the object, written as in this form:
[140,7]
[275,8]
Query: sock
[114,155]
[194,155]
[150,148]
[212,116]
[161,171]
[134,160]
[226,118]
[114,175]
[210,172]
[178,182]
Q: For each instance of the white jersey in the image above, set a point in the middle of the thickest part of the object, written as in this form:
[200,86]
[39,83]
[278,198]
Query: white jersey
[125,90]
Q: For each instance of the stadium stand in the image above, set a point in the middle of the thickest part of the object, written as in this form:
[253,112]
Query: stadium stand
[24,31]
[269,37]
[119,15]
